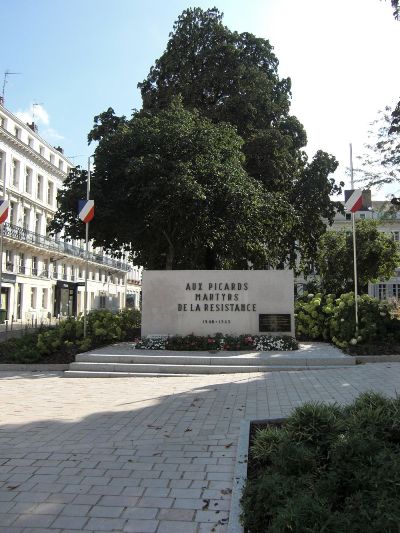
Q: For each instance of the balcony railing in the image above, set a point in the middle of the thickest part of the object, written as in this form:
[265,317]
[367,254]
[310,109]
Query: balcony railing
[21,234]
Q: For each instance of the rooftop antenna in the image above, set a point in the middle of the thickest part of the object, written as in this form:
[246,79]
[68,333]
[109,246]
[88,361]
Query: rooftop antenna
[33,109]
[5,81]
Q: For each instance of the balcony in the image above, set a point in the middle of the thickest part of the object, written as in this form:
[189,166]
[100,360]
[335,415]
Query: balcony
[23,235]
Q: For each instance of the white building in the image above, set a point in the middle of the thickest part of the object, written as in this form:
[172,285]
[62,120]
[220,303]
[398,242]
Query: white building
[44,276]
[389,223]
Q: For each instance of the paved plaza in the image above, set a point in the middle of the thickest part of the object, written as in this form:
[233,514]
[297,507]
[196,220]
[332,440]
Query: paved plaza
[143,454]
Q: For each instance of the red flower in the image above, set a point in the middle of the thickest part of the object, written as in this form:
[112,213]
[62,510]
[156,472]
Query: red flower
[210,341]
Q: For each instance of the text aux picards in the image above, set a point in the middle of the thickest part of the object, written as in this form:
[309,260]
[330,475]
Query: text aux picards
[213,286]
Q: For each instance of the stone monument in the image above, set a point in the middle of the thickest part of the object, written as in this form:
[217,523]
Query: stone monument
[205,302]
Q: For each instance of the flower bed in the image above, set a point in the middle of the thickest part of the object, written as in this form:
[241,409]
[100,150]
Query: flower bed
[327,468]
[218,342]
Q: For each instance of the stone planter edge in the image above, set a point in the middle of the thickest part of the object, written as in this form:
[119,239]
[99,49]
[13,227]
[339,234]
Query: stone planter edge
[240,472]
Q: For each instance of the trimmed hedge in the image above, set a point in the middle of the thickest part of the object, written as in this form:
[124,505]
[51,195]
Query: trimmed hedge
[328,468]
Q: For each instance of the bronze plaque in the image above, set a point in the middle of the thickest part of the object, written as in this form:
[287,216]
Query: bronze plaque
[271,322]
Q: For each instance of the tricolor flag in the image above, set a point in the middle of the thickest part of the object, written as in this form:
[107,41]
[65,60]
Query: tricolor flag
[353,200]
[4,210]
[86,210]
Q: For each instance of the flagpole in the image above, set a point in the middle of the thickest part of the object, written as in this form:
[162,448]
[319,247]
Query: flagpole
[87,257]
[354,245]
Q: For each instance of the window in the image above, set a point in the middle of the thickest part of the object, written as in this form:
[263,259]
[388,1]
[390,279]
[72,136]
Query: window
[362,216]
[3,121]
[44,298]
[13,212]
[27,216]
[30,142]
[45,268]
[396,235]
[28,180]
[9,261]
[38,221]
[50,193]
[41,151]
[21,263]
[48,221]
[64,271]
[34,266]
[33,297]
[39,187]
[382,291]
[52,159]
[80,273]
[348,216]
[60,164]
[15,172]
[102,302]
[17,132]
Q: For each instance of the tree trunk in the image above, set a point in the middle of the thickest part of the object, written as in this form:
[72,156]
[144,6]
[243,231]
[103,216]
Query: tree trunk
[170,254]
[210,260]
[170,257]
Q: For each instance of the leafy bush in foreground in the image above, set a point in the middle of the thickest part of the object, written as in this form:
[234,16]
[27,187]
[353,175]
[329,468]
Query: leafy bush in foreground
[328,468]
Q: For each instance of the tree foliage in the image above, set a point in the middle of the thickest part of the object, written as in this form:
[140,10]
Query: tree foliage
[377,257]
[173,188]
[218,179]
[380,163]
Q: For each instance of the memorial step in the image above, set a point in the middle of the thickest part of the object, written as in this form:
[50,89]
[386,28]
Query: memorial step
[92,369]
[215,360]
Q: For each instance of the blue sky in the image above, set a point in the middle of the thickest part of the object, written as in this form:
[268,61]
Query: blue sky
[79,57]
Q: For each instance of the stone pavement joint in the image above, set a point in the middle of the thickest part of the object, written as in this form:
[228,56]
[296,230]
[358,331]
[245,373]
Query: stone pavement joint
[146,454]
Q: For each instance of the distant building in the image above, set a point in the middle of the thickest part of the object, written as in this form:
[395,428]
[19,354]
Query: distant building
[43,276]
[389,223]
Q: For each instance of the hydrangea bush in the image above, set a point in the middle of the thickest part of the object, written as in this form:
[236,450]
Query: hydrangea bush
[217,342]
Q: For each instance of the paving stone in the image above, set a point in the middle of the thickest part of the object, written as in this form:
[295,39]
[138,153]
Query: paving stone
[176,514]
[70,522]
[106,511]
[177,527]
[106,524]
[141,526]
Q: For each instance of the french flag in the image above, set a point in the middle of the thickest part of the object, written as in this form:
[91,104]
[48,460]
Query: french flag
[86,210]
[4,204]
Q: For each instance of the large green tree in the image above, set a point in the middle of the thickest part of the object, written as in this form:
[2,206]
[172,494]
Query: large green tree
[171,188]
[218,179]
[233,77]
[377,257]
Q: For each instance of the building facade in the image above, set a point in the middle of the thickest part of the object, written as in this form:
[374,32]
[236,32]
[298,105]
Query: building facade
[44,276]
[389,223]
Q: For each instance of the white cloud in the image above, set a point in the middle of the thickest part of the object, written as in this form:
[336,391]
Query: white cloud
[35,113]
[38,114]
[52,134]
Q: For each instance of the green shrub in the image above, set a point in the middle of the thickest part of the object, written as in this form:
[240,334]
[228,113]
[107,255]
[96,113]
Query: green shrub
[312,315]
[376,321]
[328,468]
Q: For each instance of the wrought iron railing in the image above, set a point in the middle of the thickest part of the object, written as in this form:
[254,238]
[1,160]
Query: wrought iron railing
[21,234]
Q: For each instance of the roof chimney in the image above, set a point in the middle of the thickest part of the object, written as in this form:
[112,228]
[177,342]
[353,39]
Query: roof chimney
[59,149]
[33,126]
